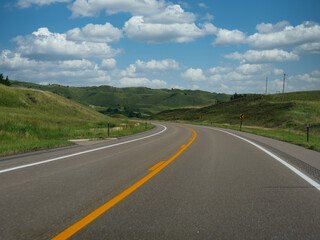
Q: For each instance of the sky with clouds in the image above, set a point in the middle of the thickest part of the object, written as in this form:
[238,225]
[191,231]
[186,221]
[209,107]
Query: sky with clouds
[214,45]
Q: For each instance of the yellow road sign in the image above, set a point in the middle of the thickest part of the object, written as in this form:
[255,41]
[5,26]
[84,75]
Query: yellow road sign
[241,116]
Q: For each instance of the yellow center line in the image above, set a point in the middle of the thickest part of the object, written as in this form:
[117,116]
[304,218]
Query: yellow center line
[105,207]
[157,165]
[182,146]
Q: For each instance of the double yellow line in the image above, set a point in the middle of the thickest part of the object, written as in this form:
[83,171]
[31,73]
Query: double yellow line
[105,207]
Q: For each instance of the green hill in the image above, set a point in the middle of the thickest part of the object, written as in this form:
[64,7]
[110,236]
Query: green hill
[264,114]
[133,101]
[33,119]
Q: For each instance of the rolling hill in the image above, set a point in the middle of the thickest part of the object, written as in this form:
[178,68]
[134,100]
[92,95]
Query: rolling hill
[33,119]
[264,114]
[133,101]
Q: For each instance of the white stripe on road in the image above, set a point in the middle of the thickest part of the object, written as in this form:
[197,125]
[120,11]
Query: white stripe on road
[79,153]
[299,173]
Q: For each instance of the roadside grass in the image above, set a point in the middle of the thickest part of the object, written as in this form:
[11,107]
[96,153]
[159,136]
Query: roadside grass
[33,120]
[265,115]
[286,135]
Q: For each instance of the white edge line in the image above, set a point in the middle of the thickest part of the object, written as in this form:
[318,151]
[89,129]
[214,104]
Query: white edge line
[299,173]
[79,153]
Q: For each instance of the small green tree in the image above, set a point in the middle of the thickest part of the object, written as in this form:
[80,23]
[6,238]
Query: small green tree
[4,81]
[7,82]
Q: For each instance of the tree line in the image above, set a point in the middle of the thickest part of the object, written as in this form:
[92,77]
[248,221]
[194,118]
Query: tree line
[4,81]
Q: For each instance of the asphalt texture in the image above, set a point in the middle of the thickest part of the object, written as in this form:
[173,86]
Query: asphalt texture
[219,187]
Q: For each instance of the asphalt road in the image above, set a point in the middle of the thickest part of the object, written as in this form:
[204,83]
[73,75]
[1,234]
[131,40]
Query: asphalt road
[206,184]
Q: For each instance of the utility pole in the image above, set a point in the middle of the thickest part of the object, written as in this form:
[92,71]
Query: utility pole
[266,85]
[284,82]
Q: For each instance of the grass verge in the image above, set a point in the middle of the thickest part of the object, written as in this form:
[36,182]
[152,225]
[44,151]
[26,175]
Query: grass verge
[286,135]
[33,120]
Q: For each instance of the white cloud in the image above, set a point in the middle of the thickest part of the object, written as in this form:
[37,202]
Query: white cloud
[207,17]
[135,7]
[171,14]
[264,56]
[69,72]
[139,30]
[258,69]
[95,33]
[28,3]
[44,45]
[289,37]
[107,64]
[202,5]
[218,70]
[154,11]
[308,48]
[142,82]
[166,64]
[227,37]
[140,68]
[194,74]
[242,78]
[272,28]
[313,77]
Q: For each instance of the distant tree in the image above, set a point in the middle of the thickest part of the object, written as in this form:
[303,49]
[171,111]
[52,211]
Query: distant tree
[4,81]
[7,82]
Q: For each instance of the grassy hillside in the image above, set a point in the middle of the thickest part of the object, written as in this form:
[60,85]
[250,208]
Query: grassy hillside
[264,114]
[33,119]
[131,101]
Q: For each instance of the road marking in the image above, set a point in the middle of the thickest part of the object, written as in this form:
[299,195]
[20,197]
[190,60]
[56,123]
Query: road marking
[80,153]
[99,211]
[295,170]
[157,165]
[182,146]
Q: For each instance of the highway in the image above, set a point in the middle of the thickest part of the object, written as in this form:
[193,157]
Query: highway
[172,182]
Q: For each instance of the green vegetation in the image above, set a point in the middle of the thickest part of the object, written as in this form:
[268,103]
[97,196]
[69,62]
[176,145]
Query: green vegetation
[264,115]
[34,119]
[131,102]
[4,81]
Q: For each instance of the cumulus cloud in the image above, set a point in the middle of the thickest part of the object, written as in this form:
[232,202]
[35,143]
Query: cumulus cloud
[107,64]
[95,33]
[28,3]
[219,69]
[154,11]
[140,68]
[154,65]
[283,36]
[44,45]
[264,56]
[308,48]
[203,5]
[313,77]
[194,74]
[272,28]
[227,37]
[207,17]
[80,72]
[171,14]
[139,30]
[242,78]
[142,82]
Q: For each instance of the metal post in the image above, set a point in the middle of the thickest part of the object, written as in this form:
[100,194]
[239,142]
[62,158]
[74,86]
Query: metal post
[266,86]
[284,82]
[108,127]
[240,124]
[308,132]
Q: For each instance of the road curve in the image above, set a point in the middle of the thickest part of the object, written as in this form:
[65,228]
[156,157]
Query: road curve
[203,184]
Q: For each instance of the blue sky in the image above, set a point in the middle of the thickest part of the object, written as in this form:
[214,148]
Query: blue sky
[219,46]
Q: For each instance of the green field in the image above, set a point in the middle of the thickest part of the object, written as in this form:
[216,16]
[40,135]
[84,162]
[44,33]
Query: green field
[265,115]
[34,119]
[131,102]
